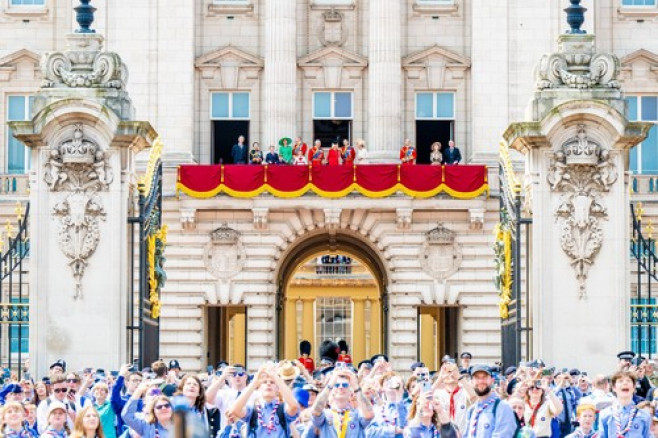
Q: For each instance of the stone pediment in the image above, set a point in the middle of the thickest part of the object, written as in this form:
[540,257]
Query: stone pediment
[641,64]
[331,65]
[431,64]
[229,61]
[24,63]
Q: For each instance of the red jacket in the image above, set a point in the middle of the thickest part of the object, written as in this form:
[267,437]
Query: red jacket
[409,153]
[348,154]
[308,363]
[333,157]
[315,156]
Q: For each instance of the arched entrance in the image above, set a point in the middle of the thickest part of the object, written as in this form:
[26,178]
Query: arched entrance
[332,286]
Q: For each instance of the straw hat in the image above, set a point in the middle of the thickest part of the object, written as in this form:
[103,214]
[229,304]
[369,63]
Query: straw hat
[287,371]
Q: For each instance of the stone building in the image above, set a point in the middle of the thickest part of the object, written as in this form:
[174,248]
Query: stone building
[203,72]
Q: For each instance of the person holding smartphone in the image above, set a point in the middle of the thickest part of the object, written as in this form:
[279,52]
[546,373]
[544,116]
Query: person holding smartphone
[391,415]
[223,396]
[542,405]
[455,393]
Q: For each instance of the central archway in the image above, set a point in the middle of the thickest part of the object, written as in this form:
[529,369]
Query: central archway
[307,293]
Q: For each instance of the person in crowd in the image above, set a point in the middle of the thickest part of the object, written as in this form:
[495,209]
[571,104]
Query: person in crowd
[239,151]
[428,419]
[225,395]
[273,410]
[542,406]
[408,153]
[569,395]
[12,392]
[103,409]
[347,153]
[333,155]
[584,385]
[623,418]
[391,414]
[298,159]
[175,368]
[255,154]
[451,155]
[361,152]
[77,390]
[165,377]
[316,154]
[333,414]
[57,368]
[624,359]
[88,424]
[40,392]
[285,150]
[272,157]
[586,416]
[28,389]
[344,355]
[305,356]
[301,145]
[517,404]
[12,422]
[59,397]
[436,158]
[193,391]
[129,379]
[31,418]
[638,365]
[452,390]
[158,414]
[56,421]
[489,417]
[465,359]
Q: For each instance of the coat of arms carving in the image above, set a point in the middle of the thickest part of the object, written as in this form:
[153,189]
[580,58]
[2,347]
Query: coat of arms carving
[441,255]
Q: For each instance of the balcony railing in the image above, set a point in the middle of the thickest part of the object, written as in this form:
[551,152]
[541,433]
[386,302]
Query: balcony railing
[14,185]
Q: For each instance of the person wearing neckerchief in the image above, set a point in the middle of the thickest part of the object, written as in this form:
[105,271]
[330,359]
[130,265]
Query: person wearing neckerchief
[586,417]
[428,419]
[391,415]
[31,418]
[56,418]
[157,421]
[517,404]
[265,417]
[88,424]
[340,419]
[12,422]
[623,419]
[193,391]
[13,392]
[490,417]
[225,389]
[542,405]
[454,392]
[58,396]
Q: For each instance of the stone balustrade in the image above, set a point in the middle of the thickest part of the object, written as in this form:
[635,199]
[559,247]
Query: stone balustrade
[14,185]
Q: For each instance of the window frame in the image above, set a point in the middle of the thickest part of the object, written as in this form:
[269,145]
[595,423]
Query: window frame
[26,116]
[623,5]
[230,104]
[332,105]
[12,4]
[638,147]
[435,94]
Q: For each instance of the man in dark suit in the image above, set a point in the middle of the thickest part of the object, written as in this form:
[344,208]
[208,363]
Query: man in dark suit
[451,155]
[239,151]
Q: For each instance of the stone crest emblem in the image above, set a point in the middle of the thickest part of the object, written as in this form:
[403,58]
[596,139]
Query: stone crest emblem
[224,255]
[332,32]
[441,255]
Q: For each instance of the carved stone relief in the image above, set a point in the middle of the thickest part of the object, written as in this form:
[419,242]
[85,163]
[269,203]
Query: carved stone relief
[332,31]
[441,255]
[224,258]
[581,170]
[80,167]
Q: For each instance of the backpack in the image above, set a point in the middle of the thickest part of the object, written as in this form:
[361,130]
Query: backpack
[253,420]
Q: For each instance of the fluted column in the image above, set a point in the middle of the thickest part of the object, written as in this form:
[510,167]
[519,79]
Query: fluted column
[384,79]
[280,72]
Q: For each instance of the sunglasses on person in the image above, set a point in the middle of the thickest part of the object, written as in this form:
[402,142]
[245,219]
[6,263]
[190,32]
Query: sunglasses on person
[240,374]
[161,407]
[58,390]
[341,385]
[72,381]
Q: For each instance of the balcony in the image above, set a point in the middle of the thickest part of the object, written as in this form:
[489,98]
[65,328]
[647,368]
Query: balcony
[644,188]
[14,186]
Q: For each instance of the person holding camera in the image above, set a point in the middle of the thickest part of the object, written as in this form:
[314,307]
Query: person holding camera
[570,397]
[454,392]
[391,415]
[223,396]
[332,414]
[542,405]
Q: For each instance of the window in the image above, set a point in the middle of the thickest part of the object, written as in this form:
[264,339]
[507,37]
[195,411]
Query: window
[638,2]
[19,334]
[333,319]
[332,105]
[28,2]
[232,105]
[19,108]
[438,106]
[644,157]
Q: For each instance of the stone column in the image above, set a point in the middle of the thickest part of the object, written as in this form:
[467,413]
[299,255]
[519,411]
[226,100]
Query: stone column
[280,72]
[576,143]
[384,80]
[83,141]
[358,328]
[308,319]
[290,327]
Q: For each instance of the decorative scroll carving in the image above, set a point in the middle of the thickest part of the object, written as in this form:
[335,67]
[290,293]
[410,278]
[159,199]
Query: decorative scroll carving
[441,255]
[581,169]
[84,69]
[81,168]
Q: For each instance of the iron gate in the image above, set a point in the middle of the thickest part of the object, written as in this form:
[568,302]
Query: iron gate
[14,293]
[512,233]
[151,239]
[644,310]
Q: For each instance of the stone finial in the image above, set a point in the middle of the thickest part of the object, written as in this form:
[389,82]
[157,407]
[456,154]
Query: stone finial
[85,16]
[575,17]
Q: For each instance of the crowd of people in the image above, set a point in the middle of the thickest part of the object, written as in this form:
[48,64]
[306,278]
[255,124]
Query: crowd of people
[298,153]
[336,399]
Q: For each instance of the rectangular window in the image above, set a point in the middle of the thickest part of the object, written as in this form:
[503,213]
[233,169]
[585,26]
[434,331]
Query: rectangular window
[643,158]
[28,2]
[332,105]
[19,334]
[638,2]
[435,106]
[333,319]
[230,105]
[19,108]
